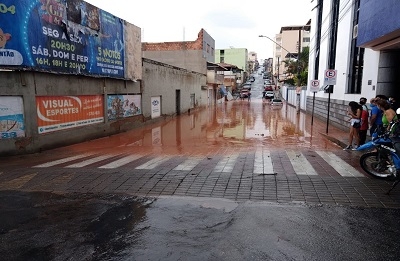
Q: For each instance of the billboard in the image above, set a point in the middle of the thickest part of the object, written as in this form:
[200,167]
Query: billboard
[11,117]
[122,106]
[56,113]
[61,36]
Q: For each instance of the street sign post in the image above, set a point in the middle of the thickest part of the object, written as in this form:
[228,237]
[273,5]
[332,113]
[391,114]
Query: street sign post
[329,80]
[314,86]
[330,77]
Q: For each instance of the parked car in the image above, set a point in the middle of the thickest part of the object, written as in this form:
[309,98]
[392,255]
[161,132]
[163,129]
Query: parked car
[276,102]
[244,94]
[268,88]
[246,86]
[269,95]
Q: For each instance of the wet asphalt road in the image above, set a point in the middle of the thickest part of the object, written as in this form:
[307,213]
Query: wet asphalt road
[46,226]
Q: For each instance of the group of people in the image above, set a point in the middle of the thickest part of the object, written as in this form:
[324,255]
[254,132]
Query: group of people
[382,111]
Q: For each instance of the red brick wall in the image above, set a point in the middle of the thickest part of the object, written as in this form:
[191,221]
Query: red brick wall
[175,46]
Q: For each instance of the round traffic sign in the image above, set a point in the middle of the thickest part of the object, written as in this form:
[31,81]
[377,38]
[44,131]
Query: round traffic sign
[315,83]
[330,73]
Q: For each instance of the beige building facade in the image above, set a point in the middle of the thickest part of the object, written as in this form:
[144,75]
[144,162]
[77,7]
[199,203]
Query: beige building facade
[286,46]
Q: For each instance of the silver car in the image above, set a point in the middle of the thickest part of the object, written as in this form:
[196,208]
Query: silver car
[276,102]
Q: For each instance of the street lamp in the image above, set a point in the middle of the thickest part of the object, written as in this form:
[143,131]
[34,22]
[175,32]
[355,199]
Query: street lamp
[289,53]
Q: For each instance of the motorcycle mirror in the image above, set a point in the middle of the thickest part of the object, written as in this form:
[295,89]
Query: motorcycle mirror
[398,111]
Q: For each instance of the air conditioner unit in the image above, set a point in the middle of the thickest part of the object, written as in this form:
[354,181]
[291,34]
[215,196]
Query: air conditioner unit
[355,31]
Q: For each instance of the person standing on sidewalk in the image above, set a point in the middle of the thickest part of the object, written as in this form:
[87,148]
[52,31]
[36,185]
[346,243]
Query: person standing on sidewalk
[354,112]
[389,114]
[364,121]
[375,120]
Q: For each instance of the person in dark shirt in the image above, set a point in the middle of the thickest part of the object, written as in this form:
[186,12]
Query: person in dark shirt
[375,119]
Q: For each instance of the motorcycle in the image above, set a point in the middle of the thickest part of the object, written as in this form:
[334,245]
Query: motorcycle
[384,161]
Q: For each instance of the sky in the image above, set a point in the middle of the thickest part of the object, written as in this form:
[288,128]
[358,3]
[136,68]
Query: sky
[232,24]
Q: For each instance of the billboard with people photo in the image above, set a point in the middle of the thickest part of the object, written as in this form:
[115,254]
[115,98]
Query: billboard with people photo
[61,36]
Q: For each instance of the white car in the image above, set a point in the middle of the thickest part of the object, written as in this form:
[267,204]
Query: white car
[269,95]
[276,102]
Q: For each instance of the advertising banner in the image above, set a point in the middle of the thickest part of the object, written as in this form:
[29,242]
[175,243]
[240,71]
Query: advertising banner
[61,36]
[64,112]
[11,117]
[122,106]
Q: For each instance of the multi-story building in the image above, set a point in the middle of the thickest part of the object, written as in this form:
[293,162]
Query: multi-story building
[234,56]
[360,41]
[287,45]
[268,66]
[253,61]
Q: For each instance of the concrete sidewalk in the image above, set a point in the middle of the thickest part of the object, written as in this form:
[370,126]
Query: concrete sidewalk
[330,132]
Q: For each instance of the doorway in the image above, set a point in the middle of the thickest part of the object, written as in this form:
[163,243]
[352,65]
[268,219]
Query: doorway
[178,101]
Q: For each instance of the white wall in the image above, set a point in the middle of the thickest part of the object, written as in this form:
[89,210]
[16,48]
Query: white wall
[343,59]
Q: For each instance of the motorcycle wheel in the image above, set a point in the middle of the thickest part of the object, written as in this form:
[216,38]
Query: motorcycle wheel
[373,166]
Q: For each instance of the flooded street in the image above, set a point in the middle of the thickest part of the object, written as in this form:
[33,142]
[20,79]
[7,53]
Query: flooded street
[234,125]
[243,180]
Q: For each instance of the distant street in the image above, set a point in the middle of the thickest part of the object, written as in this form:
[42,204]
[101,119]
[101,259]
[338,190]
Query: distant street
[242,181]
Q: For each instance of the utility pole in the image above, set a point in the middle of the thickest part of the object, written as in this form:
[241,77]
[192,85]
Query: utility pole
[298,89]
[277,76]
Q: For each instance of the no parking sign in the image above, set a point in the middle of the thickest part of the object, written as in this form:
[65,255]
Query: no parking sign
[330,77]
[314,86]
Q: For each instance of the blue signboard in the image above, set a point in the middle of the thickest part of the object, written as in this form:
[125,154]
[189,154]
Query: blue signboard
[61,36]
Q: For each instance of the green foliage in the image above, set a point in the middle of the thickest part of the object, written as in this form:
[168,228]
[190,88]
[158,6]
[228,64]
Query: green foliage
[297,70]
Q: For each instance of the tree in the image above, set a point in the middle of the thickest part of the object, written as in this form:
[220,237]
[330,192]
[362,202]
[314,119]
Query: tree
[297,69]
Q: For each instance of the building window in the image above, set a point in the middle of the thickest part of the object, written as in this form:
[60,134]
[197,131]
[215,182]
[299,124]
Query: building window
[356,66]
[208,48]
[306,39]
[212,51]
[221,60]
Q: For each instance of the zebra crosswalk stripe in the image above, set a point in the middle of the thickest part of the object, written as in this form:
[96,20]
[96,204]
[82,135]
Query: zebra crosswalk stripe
[227,163]
[263,162]
[300,164]
[61,161]
[342,167]
[188,164]
[89,161]
[151,164]
[121,162]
